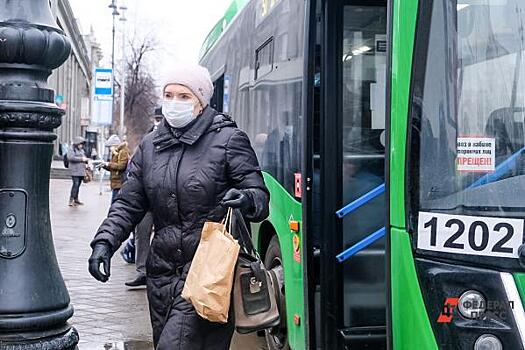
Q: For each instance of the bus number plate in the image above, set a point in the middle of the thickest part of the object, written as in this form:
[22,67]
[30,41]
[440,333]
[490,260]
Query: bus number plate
[460,234]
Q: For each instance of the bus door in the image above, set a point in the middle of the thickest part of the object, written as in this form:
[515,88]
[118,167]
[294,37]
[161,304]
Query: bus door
[351,295]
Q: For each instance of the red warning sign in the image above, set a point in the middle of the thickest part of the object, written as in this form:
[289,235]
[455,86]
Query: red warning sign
[476,154]
[298,185]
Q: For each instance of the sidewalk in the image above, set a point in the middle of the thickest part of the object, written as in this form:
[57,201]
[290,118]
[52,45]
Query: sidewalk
[107,315]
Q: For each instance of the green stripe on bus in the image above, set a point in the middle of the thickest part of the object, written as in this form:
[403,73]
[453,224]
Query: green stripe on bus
[520,284]
[283,207]
[411,328]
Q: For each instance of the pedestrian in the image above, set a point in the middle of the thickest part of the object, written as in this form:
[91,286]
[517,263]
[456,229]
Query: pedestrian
[119,153]
[157,118]
[189,171]
[142,235]
[77,167]
[144,229]
[94,153]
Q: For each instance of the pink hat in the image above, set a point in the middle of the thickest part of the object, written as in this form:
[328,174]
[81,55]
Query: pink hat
[194,77]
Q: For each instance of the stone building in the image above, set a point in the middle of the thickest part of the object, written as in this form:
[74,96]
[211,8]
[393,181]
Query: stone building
[72,82]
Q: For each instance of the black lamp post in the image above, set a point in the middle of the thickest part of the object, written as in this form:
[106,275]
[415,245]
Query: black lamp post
[34,301]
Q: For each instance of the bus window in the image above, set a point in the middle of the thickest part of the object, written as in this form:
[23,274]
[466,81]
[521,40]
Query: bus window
[217,100]
[472,115]
[264,59]
[363,95]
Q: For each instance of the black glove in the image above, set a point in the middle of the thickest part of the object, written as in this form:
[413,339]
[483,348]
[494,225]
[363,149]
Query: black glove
[101,254]
[237,199]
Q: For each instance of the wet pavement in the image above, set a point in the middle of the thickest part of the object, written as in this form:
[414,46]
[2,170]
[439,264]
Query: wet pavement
[107,315]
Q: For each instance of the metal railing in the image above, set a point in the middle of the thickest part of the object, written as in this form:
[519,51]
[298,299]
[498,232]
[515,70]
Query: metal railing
[370,239]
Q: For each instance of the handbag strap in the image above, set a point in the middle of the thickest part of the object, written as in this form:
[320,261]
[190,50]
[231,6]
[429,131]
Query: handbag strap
[243,236]
[257,270]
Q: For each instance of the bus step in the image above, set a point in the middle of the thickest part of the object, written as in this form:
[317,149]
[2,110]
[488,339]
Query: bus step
[373,337]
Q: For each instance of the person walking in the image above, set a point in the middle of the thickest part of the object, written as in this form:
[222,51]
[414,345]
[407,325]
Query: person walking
[117,165]
[144,229]
[77,166]
[194,167]
[142,235]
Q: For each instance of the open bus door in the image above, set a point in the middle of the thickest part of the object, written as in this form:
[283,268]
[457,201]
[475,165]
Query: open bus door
[348,162]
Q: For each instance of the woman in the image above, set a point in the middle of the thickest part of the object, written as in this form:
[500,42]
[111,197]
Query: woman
[118,163]
[77,166]
[190,170]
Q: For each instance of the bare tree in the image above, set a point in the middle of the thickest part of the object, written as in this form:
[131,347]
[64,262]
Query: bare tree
[141,95]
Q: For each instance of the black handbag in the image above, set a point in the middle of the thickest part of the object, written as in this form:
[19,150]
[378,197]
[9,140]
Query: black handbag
[254,299]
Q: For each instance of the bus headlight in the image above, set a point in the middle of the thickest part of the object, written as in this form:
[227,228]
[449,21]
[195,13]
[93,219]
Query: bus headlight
[472,304]
[488,342]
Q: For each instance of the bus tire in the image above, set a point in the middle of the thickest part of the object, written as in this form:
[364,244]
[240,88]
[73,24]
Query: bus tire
[277,337]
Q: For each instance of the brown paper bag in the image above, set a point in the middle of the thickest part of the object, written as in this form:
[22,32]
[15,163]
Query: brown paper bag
[209,283]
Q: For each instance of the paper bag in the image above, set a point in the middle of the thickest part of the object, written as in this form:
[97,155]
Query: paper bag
[209,283]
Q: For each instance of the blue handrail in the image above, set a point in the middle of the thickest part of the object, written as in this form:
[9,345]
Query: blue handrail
[499,171]
[341,213]
[365,242]
[362,244]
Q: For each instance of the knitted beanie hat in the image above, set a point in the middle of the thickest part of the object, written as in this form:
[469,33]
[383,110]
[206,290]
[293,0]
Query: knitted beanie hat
[113,140]
[194,77]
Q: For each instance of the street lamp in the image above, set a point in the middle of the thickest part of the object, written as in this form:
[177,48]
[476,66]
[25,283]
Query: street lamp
[34,301]
[123,79]
[114,13]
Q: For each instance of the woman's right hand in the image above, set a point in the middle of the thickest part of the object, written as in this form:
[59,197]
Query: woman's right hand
[101,255]
[236,199]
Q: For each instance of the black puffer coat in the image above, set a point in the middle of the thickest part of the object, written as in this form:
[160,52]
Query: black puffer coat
[181,177]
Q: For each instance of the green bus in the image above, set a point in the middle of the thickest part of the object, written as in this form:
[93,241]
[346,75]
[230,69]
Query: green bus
[390,134]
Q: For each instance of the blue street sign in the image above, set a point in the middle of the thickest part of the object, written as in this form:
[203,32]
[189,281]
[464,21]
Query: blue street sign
[104,82]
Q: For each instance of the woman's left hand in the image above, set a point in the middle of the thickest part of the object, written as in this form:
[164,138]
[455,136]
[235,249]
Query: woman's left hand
[236,199]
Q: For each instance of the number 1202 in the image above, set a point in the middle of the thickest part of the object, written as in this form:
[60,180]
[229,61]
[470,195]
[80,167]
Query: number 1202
[472,235]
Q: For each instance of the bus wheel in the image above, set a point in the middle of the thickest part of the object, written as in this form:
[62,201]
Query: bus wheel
[277,337]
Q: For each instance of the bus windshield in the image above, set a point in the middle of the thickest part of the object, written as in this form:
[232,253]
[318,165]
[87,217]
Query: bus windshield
[468,107]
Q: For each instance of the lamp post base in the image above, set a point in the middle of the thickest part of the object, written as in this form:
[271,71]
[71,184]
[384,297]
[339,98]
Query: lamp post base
[66,339]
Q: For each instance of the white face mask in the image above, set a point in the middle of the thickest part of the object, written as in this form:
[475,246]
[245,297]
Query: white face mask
[177,113]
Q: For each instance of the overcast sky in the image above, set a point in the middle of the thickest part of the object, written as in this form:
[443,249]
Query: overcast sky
[180,26]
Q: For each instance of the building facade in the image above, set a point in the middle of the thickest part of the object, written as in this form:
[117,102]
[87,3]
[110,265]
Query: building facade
[72,82]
